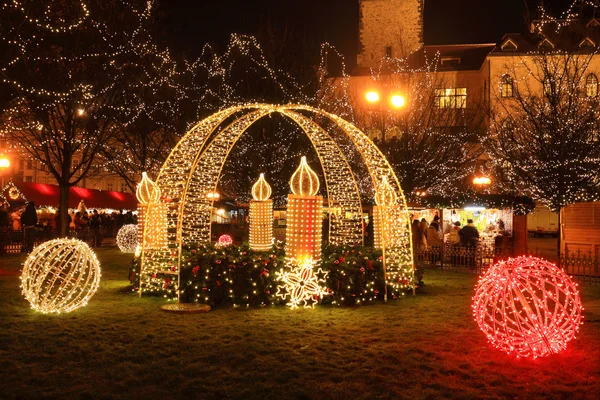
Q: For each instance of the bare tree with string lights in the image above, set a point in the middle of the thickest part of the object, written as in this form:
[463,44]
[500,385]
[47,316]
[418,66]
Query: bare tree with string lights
[543,135]
[428,134]
[66,67]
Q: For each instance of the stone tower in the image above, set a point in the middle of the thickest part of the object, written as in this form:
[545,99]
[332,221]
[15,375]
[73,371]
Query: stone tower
[392,28]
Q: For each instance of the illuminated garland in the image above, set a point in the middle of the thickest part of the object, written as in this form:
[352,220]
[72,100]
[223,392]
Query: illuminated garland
[527,306]
[60,275]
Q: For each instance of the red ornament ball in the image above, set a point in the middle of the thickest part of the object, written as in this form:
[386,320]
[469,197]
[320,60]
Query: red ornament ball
[527,306]
[225,240]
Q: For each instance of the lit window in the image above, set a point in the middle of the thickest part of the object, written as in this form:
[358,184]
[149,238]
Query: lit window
[29,164]
[506,86]
[451,98]
[591,85]
[28,179]
[109,186]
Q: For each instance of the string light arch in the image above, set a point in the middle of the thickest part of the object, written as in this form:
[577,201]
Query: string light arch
[193,168]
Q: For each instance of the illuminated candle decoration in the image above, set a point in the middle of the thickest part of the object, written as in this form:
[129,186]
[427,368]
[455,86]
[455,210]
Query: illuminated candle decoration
[303,233]
[127,238]
[302,284]
[60,275]
[386,198]
[527,306]
[261,216]
[224,240]
[147,192]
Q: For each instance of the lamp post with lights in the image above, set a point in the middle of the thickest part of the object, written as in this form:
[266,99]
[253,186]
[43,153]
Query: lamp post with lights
[4,166]
[397,102]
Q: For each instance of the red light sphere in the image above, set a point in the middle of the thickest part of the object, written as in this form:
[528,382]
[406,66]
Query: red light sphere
[527,306]
[224,240]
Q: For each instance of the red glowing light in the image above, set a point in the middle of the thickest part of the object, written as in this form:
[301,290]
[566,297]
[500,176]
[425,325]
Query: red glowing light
[527,306]
[225,240]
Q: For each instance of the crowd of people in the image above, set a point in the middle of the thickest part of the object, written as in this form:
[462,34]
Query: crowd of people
[24,222]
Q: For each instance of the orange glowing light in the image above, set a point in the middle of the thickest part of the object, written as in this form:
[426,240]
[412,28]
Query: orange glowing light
[372,97]
[398,101]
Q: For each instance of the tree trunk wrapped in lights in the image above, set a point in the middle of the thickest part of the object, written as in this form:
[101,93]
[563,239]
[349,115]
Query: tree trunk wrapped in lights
[261,216]
[304,216]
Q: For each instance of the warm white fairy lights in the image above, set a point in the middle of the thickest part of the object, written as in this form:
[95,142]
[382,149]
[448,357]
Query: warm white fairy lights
[147,191]
[127,238]
[192,170]
[60,275]
[261,216]
[302,284]
[386,199]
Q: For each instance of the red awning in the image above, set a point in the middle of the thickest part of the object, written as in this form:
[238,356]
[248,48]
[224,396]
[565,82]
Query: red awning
[49,195]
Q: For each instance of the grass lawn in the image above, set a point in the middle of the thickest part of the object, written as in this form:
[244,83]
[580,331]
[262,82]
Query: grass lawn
[426,346]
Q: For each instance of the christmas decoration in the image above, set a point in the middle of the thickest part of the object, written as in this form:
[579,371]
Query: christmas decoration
[60,275]
[224,240]
[261,216]
[302,284]
[127,238]
[303,237]
[146,191]
[192,172]
[527,306]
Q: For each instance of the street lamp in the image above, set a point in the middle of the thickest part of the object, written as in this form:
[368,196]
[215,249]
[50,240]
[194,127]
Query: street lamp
[4,165]
[481,181]
[372,97]
[397,101]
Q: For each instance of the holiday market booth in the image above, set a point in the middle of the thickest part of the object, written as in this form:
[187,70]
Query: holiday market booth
[16,195]
[500,220]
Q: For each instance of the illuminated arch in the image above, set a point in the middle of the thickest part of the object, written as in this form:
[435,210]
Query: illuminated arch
[193,168]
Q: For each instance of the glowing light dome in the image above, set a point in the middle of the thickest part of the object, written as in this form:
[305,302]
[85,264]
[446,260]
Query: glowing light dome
[261,190]
[127,238]
[527,306]
[385,196]
[60,275]
[224,240]
[304,181]
[147,191]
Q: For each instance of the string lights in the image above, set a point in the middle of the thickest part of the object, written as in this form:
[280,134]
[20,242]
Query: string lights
[261,216]
[60,275]
[191,172]
[127,238]
[527,306]
[224,240]
[301,283]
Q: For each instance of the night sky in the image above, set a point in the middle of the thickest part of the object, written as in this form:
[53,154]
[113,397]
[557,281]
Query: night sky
[187,24]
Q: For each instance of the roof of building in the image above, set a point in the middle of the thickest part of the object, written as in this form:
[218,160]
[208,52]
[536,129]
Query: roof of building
[49,195]
[453,57]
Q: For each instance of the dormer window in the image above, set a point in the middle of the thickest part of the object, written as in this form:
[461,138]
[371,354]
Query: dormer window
[448,61]
[587,43]
[506,86]
[593,23]
[546,44]
[509,45]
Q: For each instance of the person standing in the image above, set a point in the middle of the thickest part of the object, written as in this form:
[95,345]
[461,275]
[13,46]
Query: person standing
[434,239]
[95,225]
[29,220]
[16,220]
[469,237]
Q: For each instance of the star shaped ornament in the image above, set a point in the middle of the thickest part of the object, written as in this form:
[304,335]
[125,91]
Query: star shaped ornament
[301,284]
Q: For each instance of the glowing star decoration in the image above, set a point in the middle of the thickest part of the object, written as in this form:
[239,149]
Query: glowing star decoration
[60,275]
[304,181]
[261,216]
[224,240]
[261,190]
[127,238]
[527,306]
[302,285]
[147,191]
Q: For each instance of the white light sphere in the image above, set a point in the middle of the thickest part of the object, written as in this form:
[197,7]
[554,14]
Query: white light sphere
[127,238]
[60,275]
